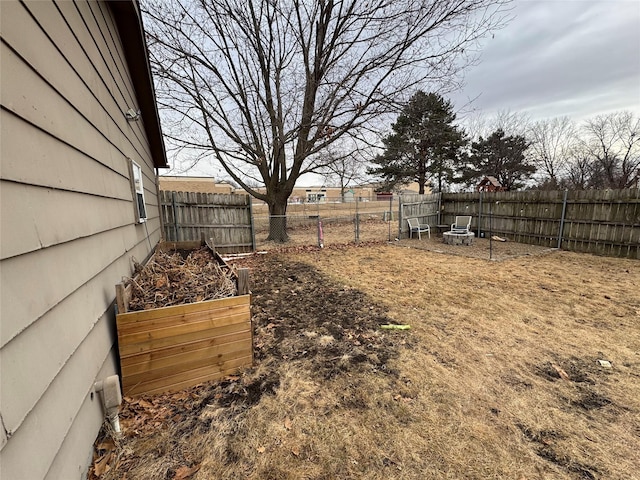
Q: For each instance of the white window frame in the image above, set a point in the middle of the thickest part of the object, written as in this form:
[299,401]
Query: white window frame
[137,188]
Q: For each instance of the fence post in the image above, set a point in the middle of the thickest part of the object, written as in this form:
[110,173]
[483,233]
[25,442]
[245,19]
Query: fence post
[253,230]
[357,227]
[490,230]
[320,233]
[175,217]
[479,213]
[399,217]
[564,211]
[390,215]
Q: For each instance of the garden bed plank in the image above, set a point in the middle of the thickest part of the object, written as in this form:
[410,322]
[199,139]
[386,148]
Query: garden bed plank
[169,348]
[208,311]
[187,338]
[184,361]
[180,380]
[152,359]
[203,324]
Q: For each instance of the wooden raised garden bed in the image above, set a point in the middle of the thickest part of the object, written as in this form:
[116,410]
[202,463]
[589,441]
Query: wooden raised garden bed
[171,348]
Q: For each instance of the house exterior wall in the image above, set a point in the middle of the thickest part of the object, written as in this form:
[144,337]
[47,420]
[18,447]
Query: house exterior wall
[68,227]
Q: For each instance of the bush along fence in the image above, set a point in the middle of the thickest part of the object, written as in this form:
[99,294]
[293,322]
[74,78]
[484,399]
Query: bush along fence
[603,222]
[225,218]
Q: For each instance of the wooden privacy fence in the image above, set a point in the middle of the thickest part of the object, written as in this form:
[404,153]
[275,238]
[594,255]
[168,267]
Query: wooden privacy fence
[225,218]
[425,208]
[604,222]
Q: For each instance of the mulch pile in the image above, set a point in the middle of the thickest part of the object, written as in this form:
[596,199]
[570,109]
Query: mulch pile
[171,279]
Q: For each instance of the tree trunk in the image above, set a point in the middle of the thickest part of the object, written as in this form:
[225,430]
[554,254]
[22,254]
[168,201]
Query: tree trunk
[422,180]
[278,222]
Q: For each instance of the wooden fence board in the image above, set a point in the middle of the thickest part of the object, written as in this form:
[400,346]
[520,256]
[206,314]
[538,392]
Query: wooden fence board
[225,218]
[605,222]
[423,207]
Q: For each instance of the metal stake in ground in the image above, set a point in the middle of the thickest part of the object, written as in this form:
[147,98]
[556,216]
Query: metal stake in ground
[390,215]
[320,234]
[491,230]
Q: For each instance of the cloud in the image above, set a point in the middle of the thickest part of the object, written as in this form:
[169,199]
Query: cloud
[575,58]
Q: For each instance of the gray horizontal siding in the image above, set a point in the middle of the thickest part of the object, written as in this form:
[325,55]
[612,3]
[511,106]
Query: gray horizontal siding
[68,226]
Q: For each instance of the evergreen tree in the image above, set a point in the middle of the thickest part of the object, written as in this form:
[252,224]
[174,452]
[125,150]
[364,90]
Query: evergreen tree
[424,144]
[500,156]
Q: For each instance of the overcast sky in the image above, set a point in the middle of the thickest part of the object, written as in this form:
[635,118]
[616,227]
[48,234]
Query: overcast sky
[578,58]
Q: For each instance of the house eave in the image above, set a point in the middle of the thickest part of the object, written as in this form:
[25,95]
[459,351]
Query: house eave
[129,23]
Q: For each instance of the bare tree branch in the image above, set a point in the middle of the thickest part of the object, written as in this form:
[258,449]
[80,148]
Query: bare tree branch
[266,86]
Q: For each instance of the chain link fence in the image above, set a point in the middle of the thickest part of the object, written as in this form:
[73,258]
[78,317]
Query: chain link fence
[328,223]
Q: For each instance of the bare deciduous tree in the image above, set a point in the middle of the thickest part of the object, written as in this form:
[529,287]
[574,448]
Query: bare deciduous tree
[511,123]
[343,169]
[613,144]
[265,86]
[552,143]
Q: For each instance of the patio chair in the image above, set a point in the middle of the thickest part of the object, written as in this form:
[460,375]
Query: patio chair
[462,224]
[415,226]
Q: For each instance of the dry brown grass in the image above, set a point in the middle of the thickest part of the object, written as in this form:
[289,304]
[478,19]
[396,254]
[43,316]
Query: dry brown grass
[474,390]
[487,339]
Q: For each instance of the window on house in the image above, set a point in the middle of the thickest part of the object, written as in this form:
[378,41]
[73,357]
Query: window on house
[141,211]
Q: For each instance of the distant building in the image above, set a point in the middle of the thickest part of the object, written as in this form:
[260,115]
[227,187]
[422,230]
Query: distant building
[194,184]
[412,187]
[315,194]
[490,184]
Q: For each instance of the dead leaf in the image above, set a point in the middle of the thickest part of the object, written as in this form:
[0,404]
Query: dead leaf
[145,404]
[287,423]
[296,451]
[261,449]
[561,372]
[102,464]
[107,445]
[184,472]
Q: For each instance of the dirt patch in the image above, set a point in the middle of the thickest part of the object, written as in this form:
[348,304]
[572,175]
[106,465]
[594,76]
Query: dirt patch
[302,319]
[572,370]
[299,314]
[581,470]
[591,400]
